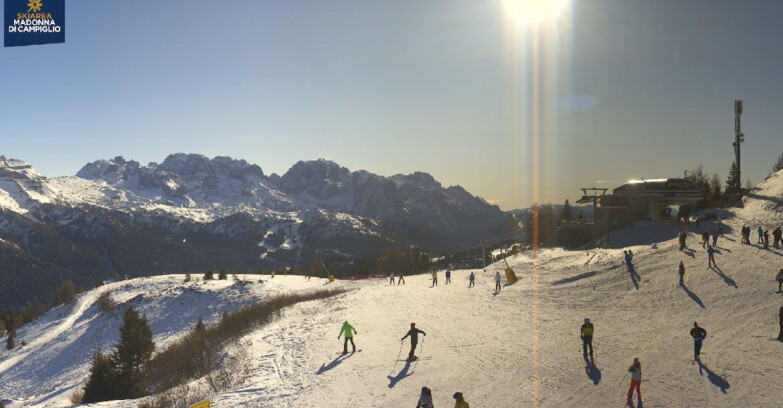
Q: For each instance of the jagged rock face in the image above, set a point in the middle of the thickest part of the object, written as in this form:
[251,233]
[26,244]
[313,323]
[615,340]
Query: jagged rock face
[191,212]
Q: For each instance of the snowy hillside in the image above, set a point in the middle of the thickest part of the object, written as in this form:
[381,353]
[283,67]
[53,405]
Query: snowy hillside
[489,347]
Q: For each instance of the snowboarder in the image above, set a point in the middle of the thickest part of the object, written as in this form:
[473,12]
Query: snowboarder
[347,331]
[425,399]
[448,276]
[698,334]
[636,380]
[587,337]
[683,236]
[434,278]
[710,257]
[766,239]
[682,274]
[414,335]
[780,335]
[720,227]
[761,236]
[391,278]
[780,280]
[497,282]
[400,279]
[715,238]
[472,278]
[461,403]
[705,238]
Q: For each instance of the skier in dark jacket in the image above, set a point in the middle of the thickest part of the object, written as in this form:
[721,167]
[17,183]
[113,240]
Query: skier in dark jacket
[776,235]
[425,399]
[682,274]
[414,335]
[586,333]
[780,335]
[780,280]
[760,232]
[698,334]
[683,236]
[472,279]
[705,238]
[448,276]
[766,239]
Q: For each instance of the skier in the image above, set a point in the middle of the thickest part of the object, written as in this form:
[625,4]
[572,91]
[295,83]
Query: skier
[682,274]
[414,334]
[766,239]
[715,238]
[345,331]
[711,257]
[742,232]
[720,227]
[628,255]
[400,279]
[587,330]
[698,334]
[461,403]
[761,236]
[497,282]
[425,400]
[472,278]
[434,278]
[780,335]
[391,278]
[780,280]
[448,276]
[636,380]
[683,236]
[705,238]
[776,234]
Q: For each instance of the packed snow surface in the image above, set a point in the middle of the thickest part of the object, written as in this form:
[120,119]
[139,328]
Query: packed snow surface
[519,348]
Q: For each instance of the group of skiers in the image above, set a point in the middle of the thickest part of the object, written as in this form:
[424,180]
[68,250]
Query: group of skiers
[763,237]
[471,279]
[400,278]
[425,399]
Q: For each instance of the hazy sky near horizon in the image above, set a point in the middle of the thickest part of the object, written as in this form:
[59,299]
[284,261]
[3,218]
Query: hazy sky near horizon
[629,89]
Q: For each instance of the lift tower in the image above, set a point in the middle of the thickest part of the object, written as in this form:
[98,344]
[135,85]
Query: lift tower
[739,138]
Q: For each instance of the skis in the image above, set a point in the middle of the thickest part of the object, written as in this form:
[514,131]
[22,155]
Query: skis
[357,351]
[416,359]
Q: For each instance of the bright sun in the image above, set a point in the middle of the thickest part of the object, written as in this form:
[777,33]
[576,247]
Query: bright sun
[533,11]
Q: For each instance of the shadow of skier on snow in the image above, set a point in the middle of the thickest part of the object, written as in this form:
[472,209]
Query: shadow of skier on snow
[725,277]
[634,276]
[324,367]
[592,371]
[690,253]
[401,375]
[693,296]
[715,379]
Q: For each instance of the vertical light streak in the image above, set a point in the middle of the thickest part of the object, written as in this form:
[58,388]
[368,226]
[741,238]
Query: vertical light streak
[535,133]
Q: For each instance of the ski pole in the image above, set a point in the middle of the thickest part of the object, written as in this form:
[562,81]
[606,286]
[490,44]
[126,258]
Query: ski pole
[623,380]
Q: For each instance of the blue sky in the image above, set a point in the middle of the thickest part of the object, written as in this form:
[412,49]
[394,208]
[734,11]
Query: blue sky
[440,86]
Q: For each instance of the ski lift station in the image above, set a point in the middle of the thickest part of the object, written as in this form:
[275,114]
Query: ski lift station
[637,200]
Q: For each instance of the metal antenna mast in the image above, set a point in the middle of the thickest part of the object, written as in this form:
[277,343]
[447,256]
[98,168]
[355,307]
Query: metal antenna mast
[739,138]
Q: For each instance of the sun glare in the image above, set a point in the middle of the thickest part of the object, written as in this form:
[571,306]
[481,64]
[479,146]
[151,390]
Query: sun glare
[526,12]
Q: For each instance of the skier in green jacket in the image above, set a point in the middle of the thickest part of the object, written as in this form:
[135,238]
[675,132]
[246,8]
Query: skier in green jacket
[347,331]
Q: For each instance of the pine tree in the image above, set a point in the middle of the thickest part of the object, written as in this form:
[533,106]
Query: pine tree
[187,277]
[200,327]
[222,275]
[102,384]
[732,181]
[778,164]
[208,275]
[715,185]
[133,353]
[9,342]
[567,213]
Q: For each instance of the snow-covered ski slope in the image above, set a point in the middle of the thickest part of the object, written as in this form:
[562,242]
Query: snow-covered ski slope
[481,344]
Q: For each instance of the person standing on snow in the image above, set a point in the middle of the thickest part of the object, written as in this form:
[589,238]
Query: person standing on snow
[780,335]
[761,236]
[776,234]
[682,274]
[698,334]
[461,403]
[448,276]
[347,331]
[586,333]
[720,227]
[683,236]
[715,238]
[425,399]
[711,257]
[472,279]
[400,279]
[391,278]
[766,239]
[497,282]
[780,280]
[636,380]
[705,239]
[414,335]
[434,278]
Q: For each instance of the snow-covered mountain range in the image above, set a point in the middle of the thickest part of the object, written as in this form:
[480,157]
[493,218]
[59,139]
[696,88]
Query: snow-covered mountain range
[190,211]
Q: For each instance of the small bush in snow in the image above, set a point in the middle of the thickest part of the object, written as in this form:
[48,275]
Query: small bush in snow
[77,396]
[208,275]
[106,303]
[187,278]
[223,275]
